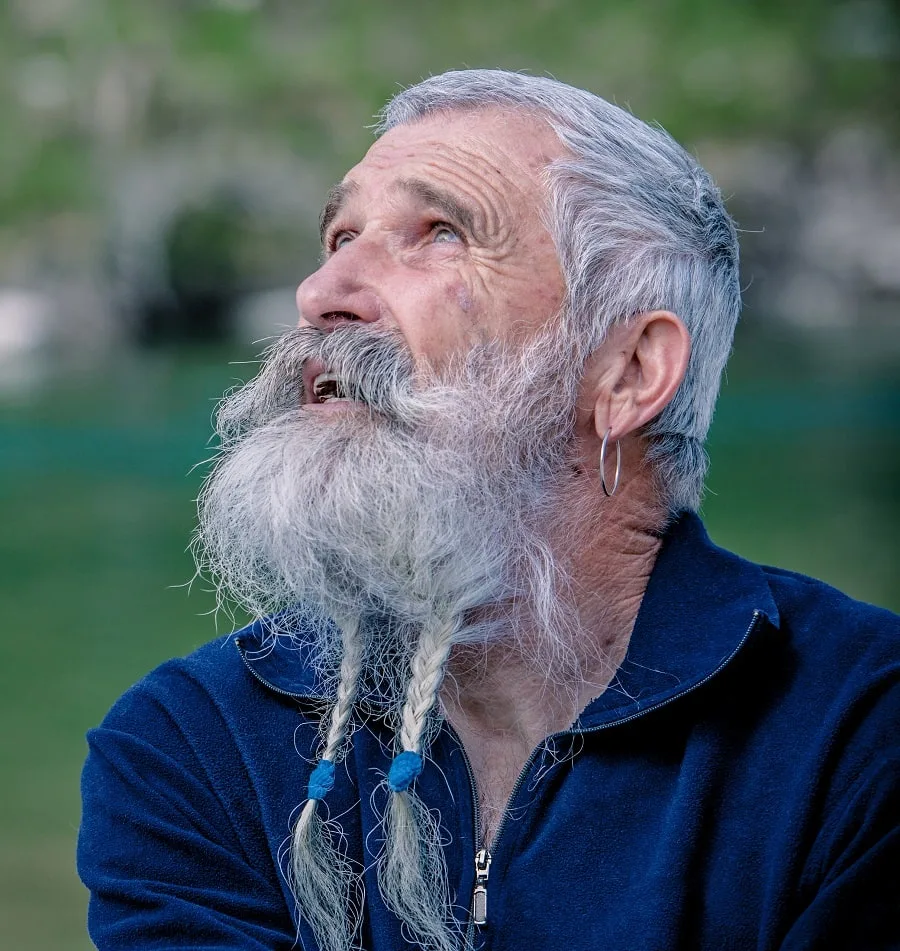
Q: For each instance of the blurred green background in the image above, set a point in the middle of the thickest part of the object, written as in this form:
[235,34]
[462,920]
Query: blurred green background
[161,168]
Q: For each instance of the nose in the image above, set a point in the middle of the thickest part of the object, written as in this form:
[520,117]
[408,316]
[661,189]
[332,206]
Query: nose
[341,291]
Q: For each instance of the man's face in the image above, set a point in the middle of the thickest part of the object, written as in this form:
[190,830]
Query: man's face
[438,232]
[421,501]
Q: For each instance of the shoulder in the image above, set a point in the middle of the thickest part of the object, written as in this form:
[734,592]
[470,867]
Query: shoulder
[196,682]
[840,656]
[836,627]
[204,671]
[821,669]
[187,793]
[839,671]
[204,734]
[212,694]
[174,729]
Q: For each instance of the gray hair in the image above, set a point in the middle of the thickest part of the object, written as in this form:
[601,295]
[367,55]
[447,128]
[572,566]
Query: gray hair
[639,225]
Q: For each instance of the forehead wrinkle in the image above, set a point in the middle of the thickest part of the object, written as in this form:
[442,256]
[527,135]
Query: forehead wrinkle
[442,163]
[486,179]
[464,170]
[493,187]
[337,198]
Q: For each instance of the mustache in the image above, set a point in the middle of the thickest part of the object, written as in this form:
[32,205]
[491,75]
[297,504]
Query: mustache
[374,367]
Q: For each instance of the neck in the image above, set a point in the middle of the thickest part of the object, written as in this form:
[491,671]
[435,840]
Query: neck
[499,697]
[609,547]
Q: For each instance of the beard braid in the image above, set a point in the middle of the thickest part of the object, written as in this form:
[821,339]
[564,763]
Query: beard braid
[425,503]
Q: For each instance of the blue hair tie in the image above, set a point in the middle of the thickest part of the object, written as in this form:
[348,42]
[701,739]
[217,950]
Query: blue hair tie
[321,780]
[404,769]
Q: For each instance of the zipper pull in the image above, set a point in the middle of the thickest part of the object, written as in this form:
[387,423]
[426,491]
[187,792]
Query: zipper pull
[479,896]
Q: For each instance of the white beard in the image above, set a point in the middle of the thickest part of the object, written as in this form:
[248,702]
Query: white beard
[418,501]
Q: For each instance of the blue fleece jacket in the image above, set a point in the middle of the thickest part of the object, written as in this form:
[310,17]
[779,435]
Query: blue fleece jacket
[736,787]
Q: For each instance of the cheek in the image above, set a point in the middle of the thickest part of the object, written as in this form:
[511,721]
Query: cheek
[536,298]
[438,317]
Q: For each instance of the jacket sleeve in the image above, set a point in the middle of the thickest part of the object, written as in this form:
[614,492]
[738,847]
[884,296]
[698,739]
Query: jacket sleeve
[853,874]
[167,861]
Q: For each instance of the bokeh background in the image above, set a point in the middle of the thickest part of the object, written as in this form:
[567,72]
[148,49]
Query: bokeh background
[162,164]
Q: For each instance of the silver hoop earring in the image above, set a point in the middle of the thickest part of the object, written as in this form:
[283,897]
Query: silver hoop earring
[606,489]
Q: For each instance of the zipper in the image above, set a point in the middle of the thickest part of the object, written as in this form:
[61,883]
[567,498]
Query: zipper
[265,683]
[479,896]
[476,823]
[483,857]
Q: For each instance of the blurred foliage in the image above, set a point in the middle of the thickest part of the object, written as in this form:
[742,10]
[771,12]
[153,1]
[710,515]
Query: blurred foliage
[86,82]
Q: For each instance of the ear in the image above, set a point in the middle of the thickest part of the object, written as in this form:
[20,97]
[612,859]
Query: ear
[646,360]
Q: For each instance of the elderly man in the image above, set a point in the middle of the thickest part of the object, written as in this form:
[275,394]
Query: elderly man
[502,692]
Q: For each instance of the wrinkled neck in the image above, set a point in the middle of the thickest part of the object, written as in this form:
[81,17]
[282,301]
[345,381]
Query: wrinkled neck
[523,689]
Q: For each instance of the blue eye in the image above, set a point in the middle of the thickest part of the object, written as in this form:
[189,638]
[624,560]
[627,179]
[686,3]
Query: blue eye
[340,239]
[442,232]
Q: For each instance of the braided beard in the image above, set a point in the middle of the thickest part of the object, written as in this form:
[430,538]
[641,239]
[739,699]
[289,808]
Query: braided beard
[424,502]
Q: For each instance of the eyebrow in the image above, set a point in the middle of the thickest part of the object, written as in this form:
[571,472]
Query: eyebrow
[336,200]
[449,205]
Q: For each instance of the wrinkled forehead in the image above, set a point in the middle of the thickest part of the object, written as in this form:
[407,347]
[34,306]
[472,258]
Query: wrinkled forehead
[504,149]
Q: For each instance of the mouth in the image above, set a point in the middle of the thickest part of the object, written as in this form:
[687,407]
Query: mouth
[322,386]
[327,388]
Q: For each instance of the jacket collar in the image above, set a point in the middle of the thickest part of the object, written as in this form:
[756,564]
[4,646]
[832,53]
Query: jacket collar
[278,655]
[701,606]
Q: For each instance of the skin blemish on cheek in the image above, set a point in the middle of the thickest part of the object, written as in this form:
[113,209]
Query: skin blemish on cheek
[464,299]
